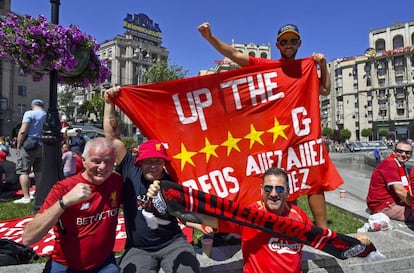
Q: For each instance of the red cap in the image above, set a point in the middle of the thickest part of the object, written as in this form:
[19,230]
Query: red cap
[152,149]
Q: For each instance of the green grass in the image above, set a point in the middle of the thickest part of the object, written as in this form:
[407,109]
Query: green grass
[338,220]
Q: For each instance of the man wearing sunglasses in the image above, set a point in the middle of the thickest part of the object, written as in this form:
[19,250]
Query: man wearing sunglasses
[288,42]
[390,186]
[262,251]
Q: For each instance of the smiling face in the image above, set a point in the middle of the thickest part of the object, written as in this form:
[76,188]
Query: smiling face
[274,192]
[403,152]
[288,45]
[153,168]
[98,162]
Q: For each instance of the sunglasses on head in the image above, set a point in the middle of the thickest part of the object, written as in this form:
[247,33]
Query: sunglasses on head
[291,42]
[403,151]
[278,189]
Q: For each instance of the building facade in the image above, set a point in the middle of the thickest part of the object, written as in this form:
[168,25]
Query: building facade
[375,90]
[130,55]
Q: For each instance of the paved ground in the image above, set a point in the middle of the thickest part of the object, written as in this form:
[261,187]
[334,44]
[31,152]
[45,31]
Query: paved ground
[395,244]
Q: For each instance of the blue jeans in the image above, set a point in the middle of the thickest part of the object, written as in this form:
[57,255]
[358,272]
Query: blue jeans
[109,266]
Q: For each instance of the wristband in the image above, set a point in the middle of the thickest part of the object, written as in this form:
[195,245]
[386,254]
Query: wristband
[203,228]
[61,204]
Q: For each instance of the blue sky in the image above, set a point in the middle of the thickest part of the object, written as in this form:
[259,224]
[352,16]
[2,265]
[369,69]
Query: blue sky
[335,28]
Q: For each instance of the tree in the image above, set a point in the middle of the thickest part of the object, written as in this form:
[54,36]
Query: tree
[130,143]
[328,132]
[383,133]
[66,102]
[345,134]
[94,106]
[160,72]
[366,132]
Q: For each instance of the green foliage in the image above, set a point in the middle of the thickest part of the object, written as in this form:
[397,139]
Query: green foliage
[338,219]
[345,134]
[94,106]
[383,132]
[66,102]
[161,72]
[130,142]
[366,132]
[328,132]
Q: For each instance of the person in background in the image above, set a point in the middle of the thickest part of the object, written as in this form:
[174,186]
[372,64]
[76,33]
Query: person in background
[4,145]
[68,161]
[10,182]
[377,156]
[288,42]
[152,242]
[79,162]
[390,187]
[83,211]
[77,142]
[32,127]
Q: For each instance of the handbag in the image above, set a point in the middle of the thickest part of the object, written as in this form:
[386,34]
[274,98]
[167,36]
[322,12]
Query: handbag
[30,143]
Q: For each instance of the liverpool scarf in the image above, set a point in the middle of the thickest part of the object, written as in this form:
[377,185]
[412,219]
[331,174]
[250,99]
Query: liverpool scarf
[181,200]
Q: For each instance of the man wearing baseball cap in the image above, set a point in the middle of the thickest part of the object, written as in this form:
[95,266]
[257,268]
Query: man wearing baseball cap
[153,241]
[288,42]
[29,154]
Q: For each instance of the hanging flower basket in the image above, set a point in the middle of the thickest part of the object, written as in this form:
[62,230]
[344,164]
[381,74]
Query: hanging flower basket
[39,47]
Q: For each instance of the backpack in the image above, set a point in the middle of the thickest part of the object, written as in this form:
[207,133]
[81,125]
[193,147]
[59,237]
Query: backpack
[12,253]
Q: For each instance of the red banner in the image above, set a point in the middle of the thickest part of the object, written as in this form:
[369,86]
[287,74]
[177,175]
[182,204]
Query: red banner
[224,130]
[13,230]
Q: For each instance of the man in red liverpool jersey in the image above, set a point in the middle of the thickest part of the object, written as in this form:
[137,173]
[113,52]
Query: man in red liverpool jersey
[288,42]
[83,211]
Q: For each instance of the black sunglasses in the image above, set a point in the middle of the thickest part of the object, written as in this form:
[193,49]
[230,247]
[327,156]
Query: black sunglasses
[291,42]
[269,188]
[403,151]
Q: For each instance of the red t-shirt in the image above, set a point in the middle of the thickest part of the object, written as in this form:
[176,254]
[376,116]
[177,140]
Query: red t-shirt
[381,193]
[85,233]
[267,253]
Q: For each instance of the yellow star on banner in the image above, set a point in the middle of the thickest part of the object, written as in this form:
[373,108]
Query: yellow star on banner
[185,156]
[254,136]
[278,130]
[231,143]
[209,149]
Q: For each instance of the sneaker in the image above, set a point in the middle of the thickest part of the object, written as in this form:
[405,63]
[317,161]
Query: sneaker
[22,200]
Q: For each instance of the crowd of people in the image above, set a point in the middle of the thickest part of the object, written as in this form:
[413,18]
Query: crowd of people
[101,176]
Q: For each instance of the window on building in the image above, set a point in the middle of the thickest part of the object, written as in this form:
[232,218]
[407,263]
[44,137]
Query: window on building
[338,72]
[252,54]
[380,45]
[22,91]
[400,112]
[21,108]
[110,53]
[399,61]
[398,42]
[263,55]
[381,82]
[4,104]
[399,80]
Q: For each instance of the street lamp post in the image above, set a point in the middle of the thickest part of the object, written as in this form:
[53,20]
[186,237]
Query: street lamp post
[52,155]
